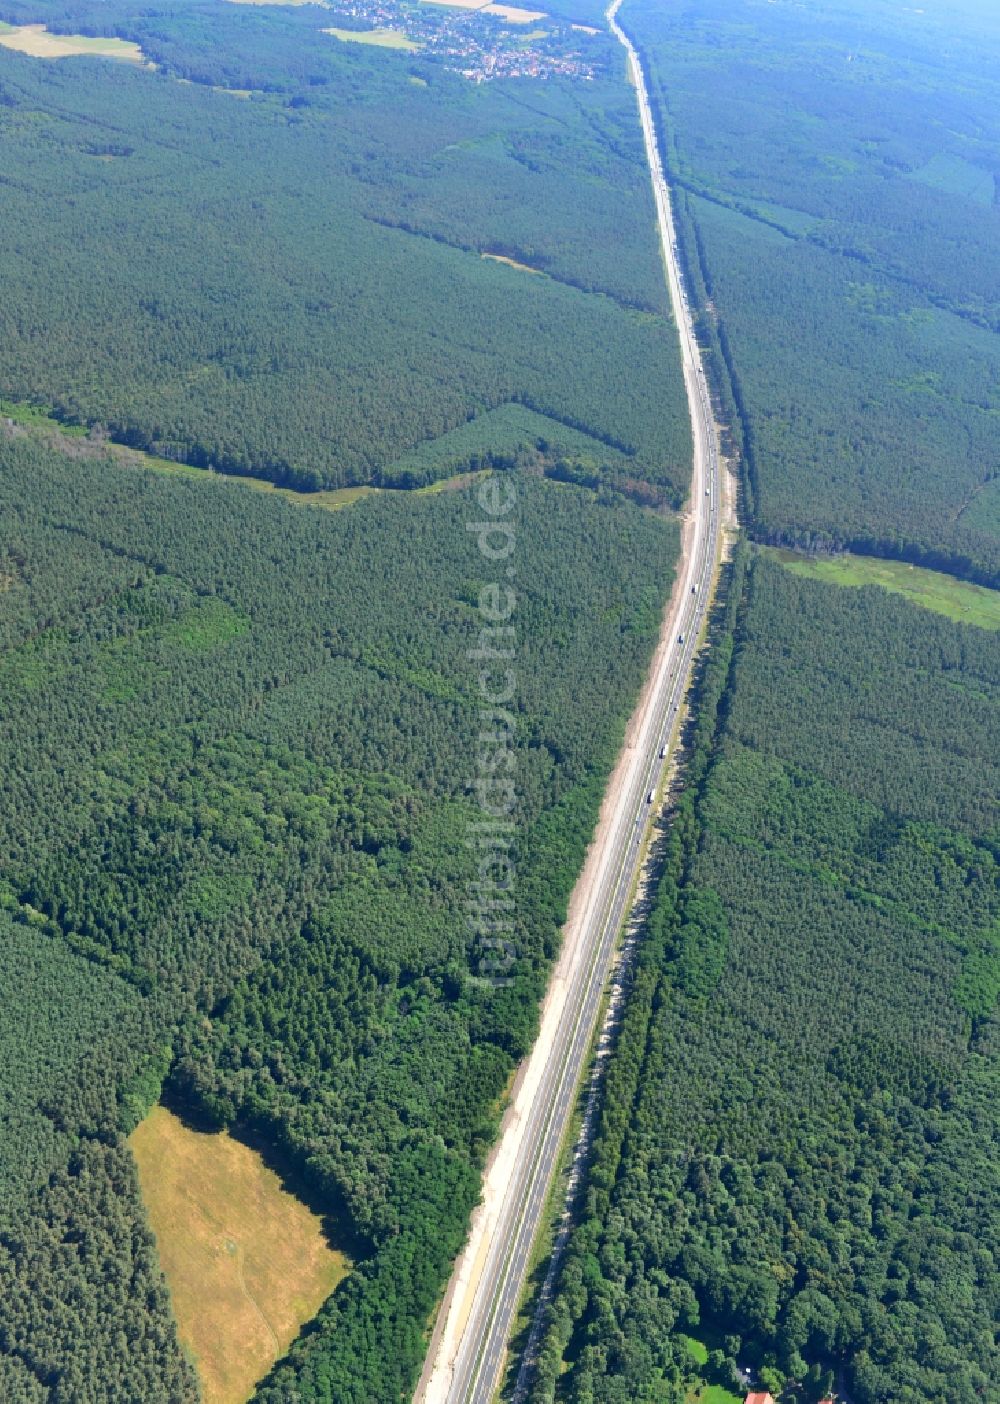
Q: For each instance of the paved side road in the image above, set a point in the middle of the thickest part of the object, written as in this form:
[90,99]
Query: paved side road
[468,1349]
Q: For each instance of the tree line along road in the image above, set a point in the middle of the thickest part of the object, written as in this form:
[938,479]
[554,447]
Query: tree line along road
[469,1344]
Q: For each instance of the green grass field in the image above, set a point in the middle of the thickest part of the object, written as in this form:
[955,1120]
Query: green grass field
[32,417]
[958,599]
[697,1350]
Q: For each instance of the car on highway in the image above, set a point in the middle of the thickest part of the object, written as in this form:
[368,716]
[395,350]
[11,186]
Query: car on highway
[470,1356]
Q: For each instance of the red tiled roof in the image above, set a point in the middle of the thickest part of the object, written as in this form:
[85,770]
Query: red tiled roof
[759,1398]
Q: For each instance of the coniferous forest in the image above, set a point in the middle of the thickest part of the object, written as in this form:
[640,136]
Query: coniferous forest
[794,1172]
[836,170]
[796,1158]
[238,737]
[239,733]
[291,285]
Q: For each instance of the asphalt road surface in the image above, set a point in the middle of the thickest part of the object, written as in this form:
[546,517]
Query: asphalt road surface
[471,1373]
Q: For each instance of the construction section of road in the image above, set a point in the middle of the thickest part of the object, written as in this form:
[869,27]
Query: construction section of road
[468,1348]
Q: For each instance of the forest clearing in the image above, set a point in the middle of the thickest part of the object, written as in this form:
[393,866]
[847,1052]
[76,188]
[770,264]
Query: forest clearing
[961,600]
[380,38]
[246,1262]
[36,41]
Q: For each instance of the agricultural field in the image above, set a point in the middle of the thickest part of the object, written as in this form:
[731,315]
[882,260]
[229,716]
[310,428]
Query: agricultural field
[247,1264]
[380,38]
[516,14]
[457,4]
[35,40]
[956,176]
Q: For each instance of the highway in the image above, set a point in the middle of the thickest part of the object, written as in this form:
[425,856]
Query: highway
[468,1349]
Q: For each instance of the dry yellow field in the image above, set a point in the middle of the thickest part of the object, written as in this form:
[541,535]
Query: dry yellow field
[246,1262]
[381,38]
[513,263]
[513,13]
[34,39]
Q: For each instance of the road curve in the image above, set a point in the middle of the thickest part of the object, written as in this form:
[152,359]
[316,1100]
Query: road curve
[470,1340]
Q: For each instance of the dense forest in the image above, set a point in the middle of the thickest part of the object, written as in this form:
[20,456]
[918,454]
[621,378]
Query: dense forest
[837,172]
[795,1162]
[793,1174]
[290,283]
[239,737]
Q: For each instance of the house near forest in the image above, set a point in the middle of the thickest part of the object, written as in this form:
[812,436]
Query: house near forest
[764,1397]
